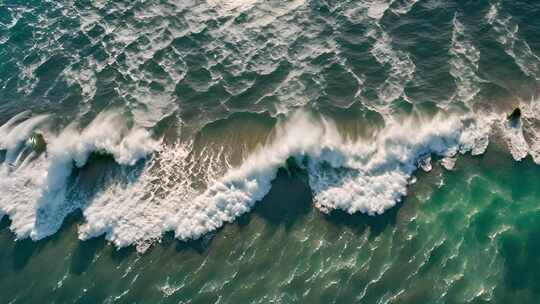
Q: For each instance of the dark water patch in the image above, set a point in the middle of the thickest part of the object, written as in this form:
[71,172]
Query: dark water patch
[499,68]
[4,223]
[21,32]
[84,254]
[360,223]
[168,128]
[199,246]
[289,200]
[48,72]
[98,171]
[23,250]
[354,121]
[501,100]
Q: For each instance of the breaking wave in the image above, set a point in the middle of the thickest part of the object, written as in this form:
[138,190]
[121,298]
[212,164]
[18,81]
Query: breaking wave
[368,175]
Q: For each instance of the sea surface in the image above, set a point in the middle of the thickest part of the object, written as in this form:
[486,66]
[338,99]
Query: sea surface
[269,151]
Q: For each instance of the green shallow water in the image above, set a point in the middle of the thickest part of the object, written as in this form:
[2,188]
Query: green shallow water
[474,240]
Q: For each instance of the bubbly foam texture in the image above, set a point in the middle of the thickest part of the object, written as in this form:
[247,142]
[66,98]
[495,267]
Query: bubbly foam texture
[34,187]
[377,173]
[523,136]
[464,63]
[507,34]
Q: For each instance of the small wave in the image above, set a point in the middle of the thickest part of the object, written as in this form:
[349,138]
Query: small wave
[464,63]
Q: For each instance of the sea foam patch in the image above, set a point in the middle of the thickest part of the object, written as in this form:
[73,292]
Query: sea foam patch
[367,177]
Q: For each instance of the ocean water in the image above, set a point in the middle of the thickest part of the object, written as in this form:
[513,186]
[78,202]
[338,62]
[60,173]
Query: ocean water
[250,151]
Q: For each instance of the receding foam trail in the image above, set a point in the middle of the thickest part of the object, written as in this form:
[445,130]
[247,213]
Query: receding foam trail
[523,137]
[507,31]
[34,188]
[402,68]
[464,63]
[233,4]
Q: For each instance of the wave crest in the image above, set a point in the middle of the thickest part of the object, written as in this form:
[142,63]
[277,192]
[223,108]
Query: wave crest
[368,175]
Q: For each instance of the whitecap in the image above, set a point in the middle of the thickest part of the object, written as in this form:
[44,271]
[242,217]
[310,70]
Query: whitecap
[507,34]
[34,188]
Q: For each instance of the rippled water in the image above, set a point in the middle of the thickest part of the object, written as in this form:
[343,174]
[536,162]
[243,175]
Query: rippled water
[254,151]
[465,236]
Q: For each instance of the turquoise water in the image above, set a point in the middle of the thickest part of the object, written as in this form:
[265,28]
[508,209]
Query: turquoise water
[303,151]
[472,240]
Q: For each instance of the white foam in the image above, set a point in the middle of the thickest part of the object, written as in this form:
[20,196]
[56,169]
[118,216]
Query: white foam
[513,134]
[368,176]
[507,34]
[523,136]
[425,163]
[448,163]
[34,189]
[378,173]
[464,63]
[531,128]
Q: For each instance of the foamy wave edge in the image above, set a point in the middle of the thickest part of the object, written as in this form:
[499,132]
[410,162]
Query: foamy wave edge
[368,176]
